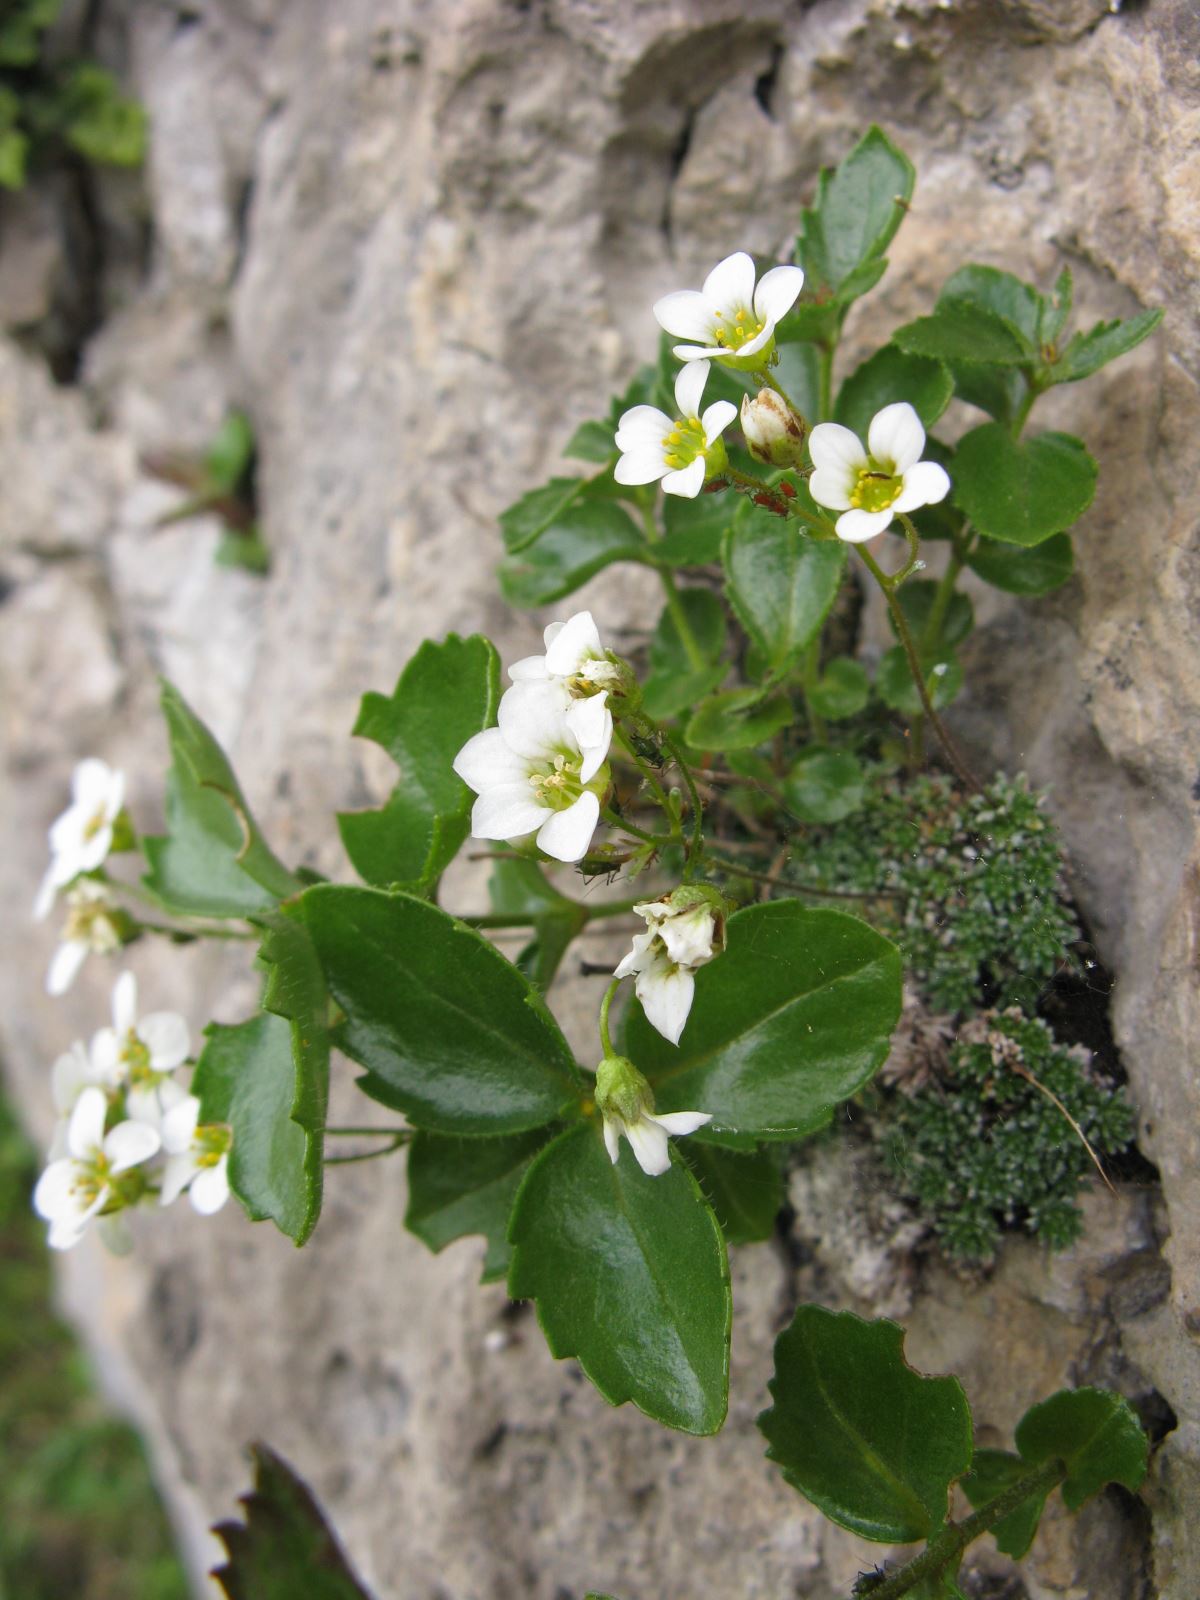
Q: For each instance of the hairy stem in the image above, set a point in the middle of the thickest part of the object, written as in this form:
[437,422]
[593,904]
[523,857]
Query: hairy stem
[695,853]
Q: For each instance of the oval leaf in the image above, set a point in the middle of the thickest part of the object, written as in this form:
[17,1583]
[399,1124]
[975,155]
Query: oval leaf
[873,1444]
[1022,491]
[464,1186]
[1095,1432]
[781,583]
[859,205]
[739,719]
[992,1473]
[843,690]
[630,1276]
[583,540]
[888,376]
[825,786]
[1029,572]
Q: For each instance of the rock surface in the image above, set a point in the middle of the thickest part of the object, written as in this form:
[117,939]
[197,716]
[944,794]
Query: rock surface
[418,242]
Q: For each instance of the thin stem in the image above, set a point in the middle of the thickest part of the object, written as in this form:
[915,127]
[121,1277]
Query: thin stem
[367,1155]
[501,919]
[1023,410]
[952,1541]
[679,616]
[914,546]
[605,1039]
[651,777]
[614,821]
[739,871]
[374,1133]
[825,380]
[695,851]
[190,935]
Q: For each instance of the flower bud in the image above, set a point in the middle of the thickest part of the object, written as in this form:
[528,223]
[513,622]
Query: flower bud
[774,433]
[621,1090]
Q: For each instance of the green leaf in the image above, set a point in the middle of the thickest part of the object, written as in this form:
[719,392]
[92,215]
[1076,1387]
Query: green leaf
[916,598]
[798,373]
[465,1186]
[630,1277]
[246,1077]
[674,682]
[213,860]
[285,1548]
[694,529]
[1018,571]
[891,375]
[591,441]
[243,548]
[842,692]
[231,453]
[1016,303]
[738,719]
[1088,352]
[793,1019]
[744,1188]
[450,1030]
[873,1444]
[992,1472]
[959,331]
[447,693]
[895,687]
[1022,491]
[825,786]
[519,889]
[529,517]
[1057,309]
[14,152]
[99,121]
[781,583]
[859,206]
[582,541]
[1095,1432]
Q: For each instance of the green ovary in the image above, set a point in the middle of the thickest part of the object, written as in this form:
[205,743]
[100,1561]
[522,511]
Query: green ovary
[875,490]
[684,443]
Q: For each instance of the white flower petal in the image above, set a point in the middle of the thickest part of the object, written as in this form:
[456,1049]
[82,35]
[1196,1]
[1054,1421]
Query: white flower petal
[486,762]
[640,467]
[777,293]
[856,527]
[637,958]
[680,1122]
[831,487]
[759,342]
[210,1188]
[924,485]
[530,669]
[567,834]
[179,1125]
[178,1171]
[896,437]
[54,1196]
[150,1102]
[131,1143]
[165,1035]
[530,717]
[85,1131]
[649,1144]
[717,418]
[729,287]
[612,1138]
[689,387]
[575,642]
[687,482]
[124,1004]
[46,895]
[70,1074]
[686,314]
[688,936]
[64,1235]
[92,850]
[666,994]
[91,783]
[698,352]
[642,425]
[107,1066]
[836,449]
[507,812]
[64,966]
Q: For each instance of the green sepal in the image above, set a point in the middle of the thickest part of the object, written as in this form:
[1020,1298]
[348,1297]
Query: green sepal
[825,786]
[581,542]
[458,1187]
[630,1277]
[780,582]
[520,889]
[889,376]
[1022,491]
[446,694]
[674,683]
[1097,1435]
[738,719]
[858,207]
[212,860]
[872,1443]
[1016,570]
[744,1188]
[992,1472]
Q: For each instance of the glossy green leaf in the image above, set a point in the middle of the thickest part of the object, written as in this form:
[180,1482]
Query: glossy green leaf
[916,599]
[591,441]
[694,528]
[675,682]
[581,541]
[1095,1432]
[1022,491]
[529,517]
[447,693]
[992,1473]
[959,331]
[825,786]
[895,686]
[793,1019]
[858,207]
[458,1187]
[1016,570]
[738,719]
[520,889]
[1000,293]
[1088,352]
[246,1077]
[630,1277]
[780,582]
[213,860]
[285,1549]
[873,1444]
[842,691]
[435,1013]
[744,1188]
[891,375]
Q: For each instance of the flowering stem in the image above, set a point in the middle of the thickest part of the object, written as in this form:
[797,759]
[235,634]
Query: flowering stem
[948,1546]
[605,1040]
[190,935]
[614,821]
[695,850]
[679,616]
[825,381]
[374,1133]
[501,919]
[914,546]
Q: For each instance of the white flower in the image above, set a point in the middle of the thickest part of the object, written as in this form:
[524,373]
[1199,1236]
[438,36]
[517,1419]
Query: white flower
[141,1054]
[625,1101]
[576,660]
[91,925]
[532,773]
[682,451]
[869,487]
[82,837]
[75,1188]
[683,932]
[197,1158]
[731,320]
[73,1072]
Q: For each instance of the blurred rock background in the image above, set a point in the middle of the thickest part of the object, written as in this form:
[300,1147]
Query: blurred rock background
[417,242]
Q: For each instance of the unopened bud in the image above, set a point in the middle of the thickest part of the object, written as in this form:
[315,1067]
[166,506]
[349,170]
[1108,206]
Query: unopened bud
[774,433]
[621,1090]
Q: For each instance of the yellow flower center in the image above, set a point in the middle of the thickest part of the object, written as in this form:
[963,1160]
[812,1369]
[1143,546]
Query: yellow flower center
[135,1056]
[557,785]
[734,331]
[684,443]
[211,1143]
[875,489]
[94,823]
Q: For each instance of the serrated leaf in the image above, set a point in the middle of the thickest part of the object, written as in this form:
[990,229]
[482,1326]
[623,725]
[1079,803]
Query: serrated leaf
[458,1037]
[529,517]
[630,1277]
[458,1187]
[212,860]
[447,693]
[959,331]
[744,1188]
[738,719]
[285,1548]
[1003,294]
[891,375]
[519,889]
[992,1472]
[582,541]
[791,1020]
[675,681]
[842,691]
[1022,491]
[825,786]
[872,1443]
[858,207]
[1035,571]
[917,597]
[1088,352]
[781,583]
[1095,1432]
[694,529]
[894,683]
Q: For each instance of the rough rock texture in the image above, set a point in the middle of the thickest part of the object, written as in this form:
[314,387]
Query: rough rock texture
[418,242]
